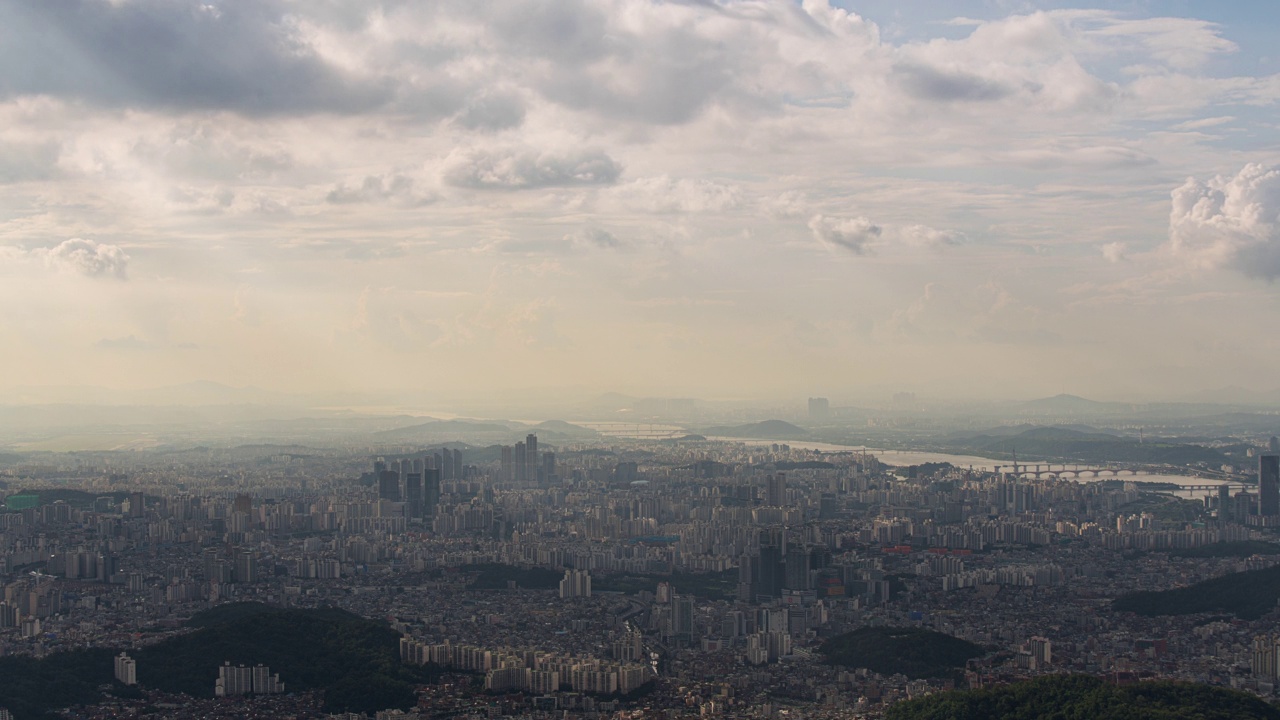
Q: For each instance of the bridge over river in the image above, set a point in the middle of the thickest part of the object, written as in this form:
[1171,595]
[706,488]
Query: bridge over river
[1126,471]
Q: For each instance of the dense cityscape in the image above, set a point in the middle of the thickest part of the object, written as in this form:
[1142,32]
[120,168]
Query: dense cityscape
[635,577]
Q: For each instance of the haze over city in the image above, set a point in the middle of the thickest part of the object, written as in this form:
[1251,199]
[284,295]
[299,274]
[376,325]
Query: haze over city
[639,359]
[736,200]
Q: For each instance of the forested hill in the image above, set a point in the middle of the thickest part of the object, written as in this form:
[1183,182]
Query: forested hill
[1083,697]
[914,652]
[1248,595]
[356,662]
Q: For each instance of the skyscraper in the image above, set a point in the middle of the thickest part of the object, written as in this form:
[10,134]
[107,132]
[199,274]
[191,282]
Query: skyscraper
[531,457]
[1269,485]
[507,473]
[430,492]
[520,459]
[548,465]
[388,478]
[413,492]
[776,489]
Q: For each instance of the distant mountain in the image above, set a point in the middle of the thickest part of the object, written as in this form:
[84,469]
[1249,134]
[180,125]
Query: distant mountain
[435,428]
[565,430]
[767,430]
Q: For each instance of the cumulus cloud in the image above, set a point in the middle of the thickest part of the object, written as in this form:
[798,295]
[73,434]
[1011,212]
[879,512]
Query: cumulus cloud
[925,236]
[1230,222]
[852,234]
[87,257]
[1115,252]
[523,169]
[862,237]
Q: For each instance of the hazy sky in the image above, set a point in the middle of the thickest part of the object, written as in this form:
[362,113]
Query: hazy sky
[715,198]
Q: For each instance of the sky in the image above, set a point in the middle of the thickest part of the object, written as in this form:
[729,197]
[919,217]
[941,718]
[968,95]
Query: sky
[711,198]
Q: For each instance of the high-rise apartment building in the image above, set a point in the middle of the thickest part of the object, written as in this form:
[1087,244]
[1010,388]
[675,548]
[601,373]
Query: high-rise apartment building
[520,461]
[776,489]
[1269,485]
[819,408]
[576,583]
[126,669]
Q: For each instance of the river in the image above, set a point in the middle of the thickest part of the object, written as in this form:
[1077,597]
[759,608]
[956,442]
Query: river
[902,458]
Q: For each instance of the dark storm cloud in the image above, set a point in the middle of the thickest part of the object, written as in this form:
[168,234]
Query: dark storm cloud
[238,55]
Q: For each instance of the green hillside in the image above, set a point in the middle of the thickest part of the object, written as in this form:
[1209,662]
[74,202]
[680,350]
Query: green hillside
[31,688]
[914,652]
[356,662]
[1248,595]
[1082,697]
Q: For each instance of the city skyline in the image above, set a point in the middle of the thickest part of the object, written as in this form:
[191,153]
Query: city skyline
[728,200]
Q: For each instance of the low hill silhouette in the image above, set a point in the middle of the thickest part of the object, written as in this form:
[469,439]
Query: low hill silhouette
[1056,697]
[914,652]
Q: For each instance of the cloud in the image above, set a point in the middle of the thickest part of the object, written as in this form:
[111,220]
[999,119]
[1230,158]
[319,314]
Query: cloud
[87,257]
[862,237]
[1229,222]
[247,57]
[492,112]
[664,195]
[524,169]
[21,162]
[1115,252]
[852,234]
[925,236]
[930,83]
[595,238]
[377,189]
